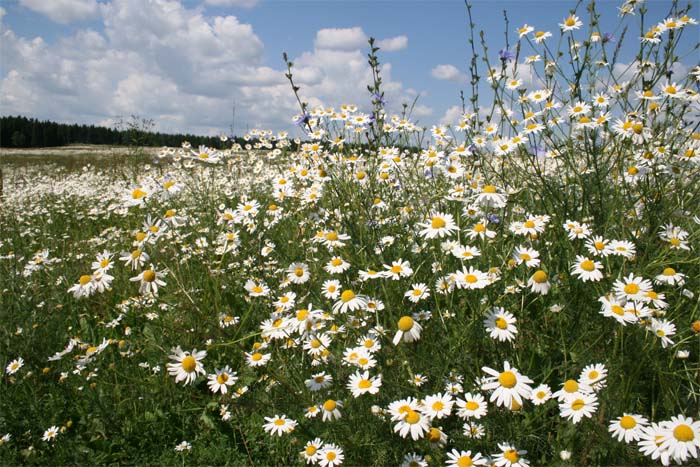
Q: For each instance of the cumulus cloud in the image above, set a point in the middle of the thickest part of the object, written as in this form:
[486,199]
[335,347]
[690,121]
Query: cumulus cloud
[64,11]
[452,115]
[448,73]
[233,3]
[184,69]
[393,44]
[340,39]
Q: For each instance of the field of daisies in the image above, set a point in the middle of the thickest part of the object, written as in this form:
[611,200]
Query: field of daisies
[521,287]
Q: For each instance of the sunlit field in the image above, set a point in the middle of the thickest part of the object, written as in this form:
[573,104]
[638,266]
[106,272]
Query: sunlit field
[520,287]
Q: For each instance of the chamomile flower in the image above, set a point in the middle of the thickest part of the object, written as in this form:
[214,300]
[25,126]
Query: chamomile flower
[409,330]
[509,456]
[319,381]
[508,386]
[472,406]
[541,394]
[298,273]
[349,301]
[331,455]
[256,289]
[330,410]
[14,366]
[413,460]
[622,248]
[457,458]
[418,292]
[587,269]
[681,437]
[398,269]
[84,287]
[632,288]
[663,329]
[500,324]
[628,427]
[221,379]
[279,425]
[255,359]
[50,434]
[670,276]
[336,265]
[414,423]
[331,289]
[593,376]
[529,256]
[438,224]
[187,365]
[311,450]
[490,197]
[579,406]
[361,383]
[570,23]
[539,283]
[437,406]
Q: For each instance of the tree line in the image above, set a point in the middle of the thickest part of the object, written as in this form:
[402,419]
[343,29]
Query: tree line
[23,132]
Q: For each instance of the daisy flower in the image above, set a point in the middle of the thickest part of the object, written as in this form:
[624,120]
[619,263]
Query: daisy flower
[285,302]
[397,270]
[471,279]
[628,427]
[311,451]
[319,381]
[489,196]
[439,224]
[14,366]
[681,437]
[298,273]
[255,359]
[663,329]
[509,456]
[541,394]
[413,423]
[524,30]
[418,292]
[413,460]
[361,383]
[183,446]
[587,269]
[538,282]
[336,265]
[349,302]
[331,455]
[579,406]
[50,434]
[473,406]
[409,330]
[529,256]
[622,248]
[136,259]
[508,386]
[84,287]
[670,276]
[570,23]
[150,280]
[331,289]
[437,406]
[221,379]
[632,288]
[614,308]
[256,289]
[457,458]
[465,252]
[473,430]
[500,324]
[187,365]
[329,410]
[541,36]
[279,425]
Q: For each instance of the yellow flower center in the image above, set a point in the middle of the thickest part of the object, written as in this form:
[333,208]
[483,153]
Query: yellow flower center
[683,433]
[671,90]
[336,262]
[140,236]
[310,450]
[587,265]
[529,224]
[525,257]
[347,295]
[315,344]
[628,422]
[256,357]
[364,384]
[438,223]
[669,272]
[578,404]
[138,194]
[438,406]
[279,422]
[593,374]
[257,289]
[189,364]
[540,277]
[507,379]
[471,405]
[412,417]
[570,386]
[540,394]
[149,275]
[330,455]
[501,323]
[222,378]
[570,21]
[85,279]
[405,323]
[329,405]
[489,189]
[632,171]
[135,254]
[631,289]
[332,236]
[298,272]
[302,314]
[511,455]
[618,310]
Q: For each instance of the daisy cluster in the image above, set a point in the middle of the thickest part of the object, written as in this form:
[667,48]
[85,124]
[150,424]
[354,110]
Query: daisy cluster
[528,276]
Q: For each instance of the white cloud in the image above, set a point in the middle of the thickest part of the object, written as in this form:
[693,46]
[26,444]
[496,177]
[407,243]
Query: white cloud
[340,39]
[393,44]
[448,73]
[63,11]
[233,3]
[452,115]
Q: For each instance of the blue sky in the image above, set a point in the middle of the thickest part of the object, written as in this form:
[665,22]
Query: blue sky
[183,63]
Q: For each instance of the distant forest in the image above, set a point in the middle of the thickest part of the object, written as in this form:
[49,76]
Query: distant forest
[23,132]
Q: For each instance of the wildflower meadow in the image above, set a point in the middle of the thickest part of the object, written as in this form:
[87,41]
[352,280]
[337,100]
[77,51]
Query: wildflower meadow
[520,287]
